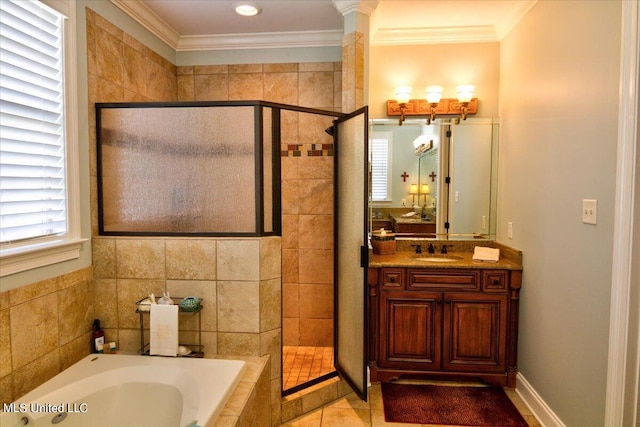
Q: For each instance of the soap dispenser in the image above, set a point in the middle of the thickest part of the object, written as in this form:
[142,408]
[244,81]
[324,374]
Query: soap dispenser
[97,341]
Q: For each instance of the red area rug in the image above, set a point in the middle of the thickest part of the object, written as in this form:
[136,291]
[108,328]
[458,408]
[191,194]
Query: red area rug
[449,405]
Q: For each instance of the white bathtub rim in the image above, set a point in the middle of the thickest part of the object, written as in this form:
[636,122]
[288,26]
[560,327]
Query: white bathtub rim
[98,371]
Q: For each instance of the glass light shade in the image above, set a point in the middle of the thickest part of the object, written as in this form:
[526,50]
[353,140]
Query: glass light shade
[434,93]
[422,139]
[403,94]
[413,189]
[425,188]
[465,93]
[246,9]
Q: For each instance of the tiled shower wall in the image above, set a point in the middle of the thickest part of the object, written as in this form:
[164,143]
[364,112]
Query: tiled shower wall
[307,178]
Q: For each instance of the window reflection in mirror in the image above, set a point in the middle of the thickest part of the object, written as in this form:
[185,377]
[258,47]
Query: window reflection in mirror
[409,190]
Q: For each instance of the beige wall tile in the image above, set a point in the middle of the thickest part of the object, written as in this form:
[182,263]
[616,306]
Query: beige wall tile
[75,350]
[245,68]
[289,231]
[129,340]
[238,344]
[211,87]
[290,134]
[76,311]
[5,343]
[311,130]
[140,259]
[271,345]
[316,266]
[316,231]
[109,57]
[238,306]
[316,89]
[315,66]
[184,70]
[281,87]
[108,91]
[316,196]
[206,291]
[104,258]
[4,300]
[290,300]
[75,278]
[246,86]
[291,331]
[135,71]
[32,291]
[290,189]
[6,389]
[280,68]
[211,69]
[270,304]
[319,395]
[316,332]
[316,167]
[316,301]
[238,259]
[270,258]
[290,266]
[105,303]
[186,88]
[35,373]
[191,259]
[129,292]
[34,329]
[107,26]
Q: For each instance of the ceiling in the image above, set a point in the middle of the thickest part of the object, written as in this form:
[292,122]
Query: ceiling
[213,24]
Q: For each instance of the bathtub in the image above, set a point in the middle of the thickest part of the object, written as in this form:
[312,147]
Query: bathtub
[130,391]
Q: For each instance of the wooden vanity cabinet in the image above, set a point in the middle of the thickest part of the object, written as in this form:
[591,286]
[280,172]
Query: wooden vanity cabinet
[444,323]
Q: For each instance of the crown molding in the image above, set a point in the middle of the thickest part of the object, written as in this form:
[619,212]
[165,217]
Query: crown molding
[348,6]
[507,24]
[408,36]
[260,40]
[149,20]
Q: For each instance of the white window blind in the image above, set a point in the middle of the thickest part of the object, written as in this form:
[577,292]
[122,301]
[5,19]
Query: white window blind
[32,126]
[379,169]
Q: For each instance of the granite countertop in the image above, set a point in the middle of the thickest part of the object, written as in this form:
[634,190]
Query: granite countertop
[405,256]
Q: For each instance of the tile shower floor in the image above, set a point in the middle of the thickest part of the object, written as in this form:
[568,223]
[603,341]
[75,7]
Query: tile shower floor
[301,364]
[350,411]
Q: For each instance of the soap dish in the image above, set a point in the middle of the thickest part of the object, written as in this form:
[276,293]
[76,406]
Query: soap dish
[190,304]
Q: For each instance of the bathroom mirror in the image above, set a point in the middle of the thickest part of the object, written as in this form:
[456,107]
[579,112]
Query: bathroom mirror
[435,181]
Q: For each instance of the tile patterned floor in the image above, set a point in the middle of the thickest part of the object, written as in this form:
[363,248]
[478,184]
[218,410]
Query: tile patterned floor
[301,364]
[350,411]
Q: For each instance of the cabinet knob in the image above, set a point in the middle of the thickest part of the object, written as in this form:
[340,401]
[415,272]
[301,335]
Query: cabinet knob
[439,301]
[496,281]
[392,279]
[448,301]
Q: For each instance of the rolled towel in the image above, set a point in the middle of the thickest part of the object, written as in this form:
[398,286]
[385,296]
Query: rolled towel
[481,253]
[163,330]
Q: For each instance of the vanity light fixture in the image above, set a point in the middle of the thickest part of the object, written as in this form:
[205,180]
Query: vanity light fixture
[403,95]
[465,94]
[460,107]
[246,9]
[413,190]
[434,94]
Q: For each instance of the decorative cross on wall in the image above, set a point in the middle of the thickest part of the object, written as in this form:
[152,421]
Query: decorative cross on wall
[405,175]
[433,176]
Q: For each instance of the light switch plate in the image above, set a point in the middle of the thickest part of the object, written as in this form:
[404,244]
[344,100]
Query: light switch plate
[589,211]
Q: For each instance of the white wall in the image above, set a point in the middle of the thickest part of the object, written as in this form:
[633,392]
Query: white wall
[559,74]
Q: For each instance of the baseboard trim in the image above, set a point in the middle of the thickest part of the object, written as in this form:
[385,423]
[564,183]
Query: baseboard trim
[536,404]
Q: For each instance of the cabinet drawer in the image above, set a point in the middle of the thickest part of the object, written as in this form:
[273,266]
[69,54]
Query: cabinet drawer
[393,278]
[444,279]
[494,281]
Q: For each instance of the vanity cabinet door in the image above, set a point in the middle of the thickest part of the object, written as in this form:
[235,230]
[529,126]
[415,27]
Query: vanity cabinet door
[475,332]
[411,330]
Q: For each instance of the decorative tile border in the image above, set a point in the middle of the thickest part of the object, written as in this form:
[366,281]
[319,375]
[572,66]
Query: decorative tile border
[320,150]
[293,150]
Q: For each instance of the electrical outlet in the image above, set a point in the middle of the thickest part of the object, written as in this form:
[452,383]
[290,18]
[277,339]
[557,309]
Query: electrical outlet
[456,196]
[404,202]
[484,222]
[589,211]
[510,230]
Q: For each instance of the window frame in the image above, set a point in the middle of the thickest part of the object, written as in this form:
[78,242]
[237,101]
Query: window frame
[387,136]
[39,252]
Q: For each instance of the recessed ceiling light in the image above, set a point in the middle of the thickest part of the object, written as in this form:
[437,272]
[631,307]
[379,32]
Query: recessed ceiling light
[246,9]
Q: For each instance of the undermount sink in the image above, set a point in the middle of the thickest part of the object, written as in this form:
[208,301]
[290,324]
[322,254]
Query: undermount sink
[439,258]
